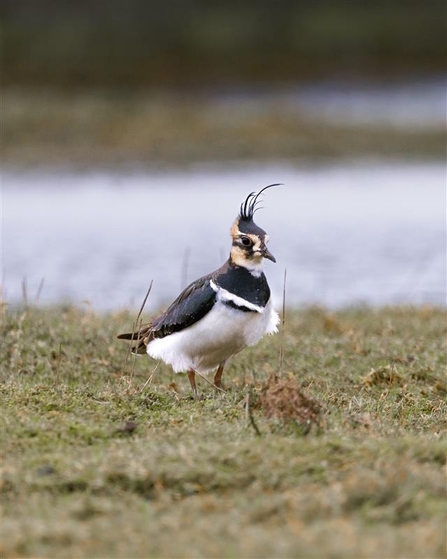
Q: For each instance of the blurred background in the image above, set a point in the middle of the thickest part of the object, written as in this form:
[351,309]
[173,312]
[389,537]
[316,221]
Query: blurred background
[132,130]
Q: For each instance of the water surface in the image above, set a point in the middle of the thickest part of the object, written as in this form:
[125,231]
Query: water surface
[371,232]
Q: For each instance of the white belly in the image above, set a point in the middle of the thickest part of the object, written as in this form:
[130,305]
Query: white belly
[221,333]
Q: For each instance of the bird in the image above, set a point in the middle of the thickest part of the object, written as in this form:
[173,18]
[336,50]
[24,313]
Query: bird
[218,315]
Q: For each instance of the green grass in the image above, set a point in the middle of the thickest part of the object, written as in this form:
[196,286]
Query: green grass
[99,462]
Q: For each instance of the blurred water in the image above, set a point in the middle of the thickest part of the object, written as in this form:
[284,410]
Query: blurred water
[370,232]
[417,104]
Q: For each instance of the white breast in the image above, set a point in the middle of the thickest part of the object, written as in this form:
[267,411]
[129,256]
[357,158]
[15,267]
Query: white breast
[221,333]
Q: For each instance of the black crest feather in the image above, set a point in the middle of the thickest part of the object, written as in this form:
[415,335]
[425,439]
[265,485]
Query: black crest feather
[250,206]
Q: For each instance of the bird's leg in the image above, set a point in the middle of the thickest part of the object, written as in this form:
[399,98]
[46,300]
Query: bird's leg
[192,382]
[218,375]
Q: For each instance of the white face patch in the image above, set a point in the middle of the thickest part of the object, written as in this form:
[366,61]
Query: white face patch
[253,262]
[249,255]
[257,245]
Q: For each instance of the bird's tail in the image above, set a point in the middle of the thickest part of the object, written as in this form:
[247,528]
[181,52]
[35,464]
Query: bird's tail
[140,346]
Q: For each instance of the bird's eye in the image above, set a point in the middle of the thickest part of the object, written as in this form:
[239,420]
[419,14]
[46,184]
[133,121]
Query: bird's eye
[246,241]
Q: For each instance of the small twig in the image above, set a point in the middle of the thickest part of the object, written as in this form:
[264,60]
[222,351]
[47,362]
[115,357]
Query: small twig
[25,292]
[136,326]
[250,416]
[249,419]
[149,379]
[209,381]
[58,364]
[144,300]
[39,290]
[247,405]
[283,323]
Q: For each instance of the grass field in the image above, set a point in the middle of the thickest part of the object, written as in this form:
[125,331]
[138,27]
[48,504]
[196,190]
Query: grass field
[100,459]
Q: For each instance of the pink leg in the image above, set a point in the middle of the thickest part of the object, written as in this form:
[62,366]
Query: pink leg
[218,375]
[192,381]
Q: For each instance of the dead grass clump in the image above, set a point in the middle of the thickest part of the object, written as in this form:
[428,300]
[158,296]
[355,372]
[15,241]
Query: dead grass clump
[383,375]
[283,399]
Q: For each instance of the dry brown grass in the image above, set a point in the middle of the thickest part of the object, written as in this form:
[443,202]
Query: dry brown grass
[285,400]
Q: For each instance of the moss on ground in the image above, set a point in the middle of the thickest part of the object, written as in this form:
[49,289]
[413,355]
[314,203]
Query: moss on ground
[101,458]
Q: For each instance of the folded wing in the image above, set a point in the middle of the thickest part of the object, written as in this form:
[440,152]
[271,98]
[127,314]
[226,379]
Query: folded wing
[189,307]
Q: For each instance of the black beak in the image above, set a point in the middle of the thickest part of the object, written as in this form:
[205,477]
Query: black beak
[267,254]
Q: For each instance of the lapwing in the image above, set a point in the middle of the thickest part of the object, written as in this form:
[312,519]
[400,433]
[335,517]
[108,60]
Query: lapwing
[219,314]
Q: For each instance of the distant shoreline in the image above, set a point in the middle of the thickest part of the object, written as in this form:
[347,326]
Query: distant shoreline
[147,128]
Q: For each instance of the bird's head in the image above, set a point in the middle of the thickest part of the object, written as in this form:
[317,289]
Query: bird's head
[249,246]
